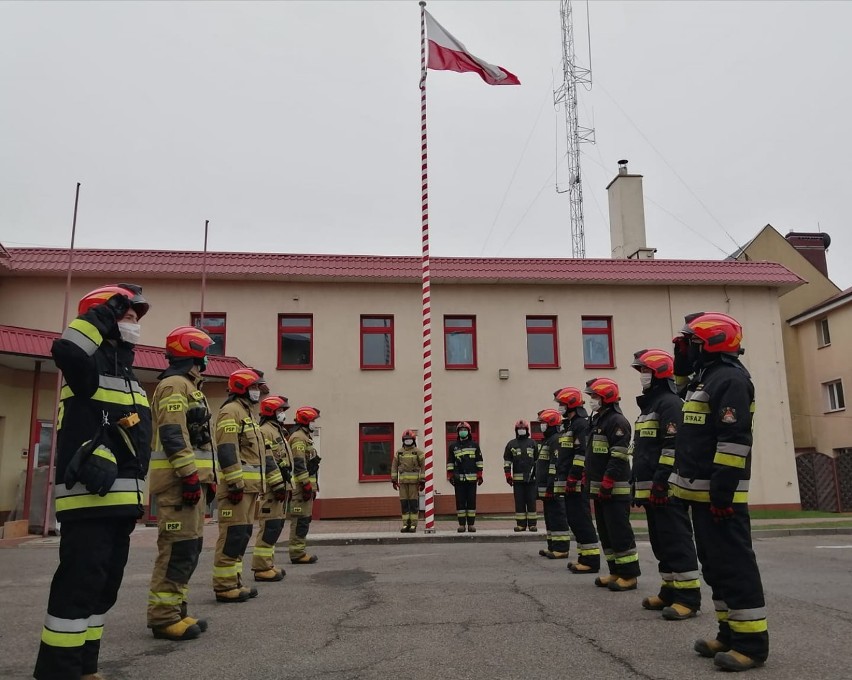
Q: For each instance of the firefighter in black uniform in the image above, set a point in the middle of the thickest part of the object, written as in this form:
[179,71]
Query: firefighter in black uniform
[575,426]
[551,485]
[669,527]
[519,467]
[608,481]
[464,472]
[103,448]
[712,472]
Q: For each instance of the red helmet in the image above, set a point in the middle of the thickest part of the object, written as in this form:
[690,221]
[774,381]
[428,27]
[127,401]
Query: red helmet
[604,388]
[522,425]
[720,332]
[270,405]
[99,296]
[239,381]
[550,416]
[569,396]
[463,425]
[658,360]
[187,341]
[409,434]
[306,414]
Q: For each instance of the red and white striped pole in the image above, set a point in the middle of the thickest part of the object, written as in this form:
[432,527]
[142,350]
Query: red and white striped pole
[427,304]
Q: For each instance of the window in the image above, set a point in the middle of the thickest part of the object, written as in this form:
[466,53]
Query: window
[542,345]
[834,393]
[823,334]
[597,342]
[375,447]
[376,342]
[214,326]
[295,341]
[460,341]
[45,438]
[450,431]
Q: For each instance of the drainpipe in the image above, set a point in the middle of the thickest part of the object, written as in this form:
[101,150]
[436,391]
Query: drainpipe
[34,437]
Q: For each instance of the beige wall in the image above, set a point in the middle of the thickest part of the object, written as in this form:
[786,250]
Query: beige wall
[644,316]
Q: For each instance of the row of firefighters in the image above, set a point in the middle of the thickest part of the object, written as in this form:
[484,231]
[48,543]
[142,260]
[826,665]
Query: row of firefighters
[691,472]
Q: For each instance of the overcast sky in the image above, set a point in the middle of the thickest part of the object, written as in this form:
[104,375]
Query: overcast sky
[294,126]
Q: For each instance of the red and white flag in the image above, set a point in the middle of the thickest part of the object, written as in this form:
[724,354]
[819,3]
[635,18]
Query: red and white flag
[446,53]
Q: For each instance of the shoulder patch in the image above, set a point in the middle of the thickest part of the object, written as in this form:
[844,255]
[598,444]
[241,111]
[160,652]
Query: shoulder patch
[198,395]
[729,415]
[619,432]
[671,428]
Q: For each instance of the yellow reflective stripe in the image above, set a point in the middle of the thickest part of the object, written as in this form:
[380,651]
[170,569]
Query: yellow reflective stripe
[235,474]
[620,490]
[627,558]
[642,493]
[667,460]
[94,633]
[748,626]
[176,402]
[685,584]
[56,639]
[274,478]
[87,329]
[722,615]
[696,407]
[90,500]
[729,460]
[251,475]
[264,552]
[600,447]
[225,572]
[225,422]
[164,599]
[106,454]
[704,496]
[580,462]
[112,397]
[620,455]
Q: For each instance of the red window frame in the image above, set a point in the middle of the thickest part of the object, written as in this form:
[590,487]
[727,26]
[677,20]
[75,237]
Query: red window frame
[308,329]
[552,330]
[607,331]
[377,330]
[450,433]
[222,330]
[364,438]
[460,330]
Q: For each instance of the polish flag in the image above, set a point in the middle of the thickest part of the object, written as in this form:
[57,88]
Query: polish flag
[446,53]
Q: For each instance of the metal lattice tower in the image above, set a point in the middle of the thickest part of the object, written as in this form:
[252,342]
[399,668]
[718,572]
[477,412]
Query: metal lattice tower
[566,97]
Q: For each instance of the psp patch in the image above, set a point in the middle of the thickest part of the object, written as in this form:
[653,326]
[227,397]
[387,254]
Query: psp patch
[729,415]
[173,526]
[226,513]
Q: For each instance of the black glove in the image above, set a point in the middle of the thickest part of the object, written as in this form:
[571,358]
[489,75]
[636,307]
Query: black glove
[199,434]
[280,493]
[118,304]
[191,489]
[211,493]
[197,415]
[94,466]
[235,495]
[395,485]
[313,466]
[422,485]
[451,479]
[286,473]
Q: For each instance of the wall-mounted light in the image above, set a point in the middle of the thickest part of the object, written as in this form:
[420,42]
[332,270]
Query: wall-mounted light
[541,298]
[503,373]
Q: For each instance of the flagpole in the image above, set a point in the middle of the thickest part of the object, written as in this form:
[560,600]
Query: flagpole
[429,513]
[203,277]
[51,464]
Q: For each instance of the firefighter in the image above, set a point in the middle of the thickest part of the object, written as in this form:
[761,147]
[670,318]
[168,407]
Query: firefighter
[519,459]
[408,477]
[182,475]
[575,426]
[273,412]
[669,527]
[305,483]
[712,473]
[246,471]
[608,482]
[551,488]
[464,472]
[103,450]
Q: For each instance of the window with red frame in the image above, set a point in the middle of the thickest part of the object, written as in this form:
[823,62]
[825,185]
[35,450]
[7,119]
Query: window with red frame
[214,326]
[375,452]
[451,437]
[460,341]
[296,341]
[597,342]
[376,342]
[542,343]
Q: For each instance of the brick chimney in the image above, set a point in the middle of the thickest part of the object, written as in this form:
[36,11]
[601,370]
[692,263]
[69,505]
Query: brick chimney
[812,246]
[627,216]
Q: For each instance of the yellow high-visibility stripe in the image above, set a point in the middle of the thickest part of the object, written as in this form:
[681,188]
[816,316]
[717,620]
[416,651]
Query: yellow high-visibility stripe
[225,572]
[729,460]
[87,329]
[264,552]
[91,500]
[758,626]
[251,475]
[696,407]
[667,460]
[627,559]
[57,639]
[589,551]
[685,584]
[642,493]
[704,496]
[94,633]
[112,397]
[164,599]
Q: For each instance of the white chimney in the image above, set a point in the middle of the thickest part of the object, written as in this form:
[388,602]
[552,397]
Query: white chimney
[627,216]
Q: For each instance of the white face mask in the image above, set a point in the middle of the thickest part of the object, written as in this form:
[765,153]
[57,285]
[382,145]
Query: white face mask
[543,427]
[130,332]
[408,442]
[522,433]
[312,427]
[254,395]
[563,409]
[281,417]
[595,403]
[645,379]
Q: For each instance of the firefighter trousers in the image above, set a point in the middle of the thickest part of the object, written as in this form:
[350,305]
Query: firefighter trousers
[409,501]
[617,540]
[730,569]
[179,541]
[466,503]
[300,523]
[271,526]
[558,536]
[579,516]
[670,532]
[92,556]
[236,521]
[525,495]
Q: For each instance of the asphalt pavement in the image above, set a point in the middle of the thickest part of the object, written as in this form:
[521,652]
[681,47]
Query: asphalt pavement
[445,610]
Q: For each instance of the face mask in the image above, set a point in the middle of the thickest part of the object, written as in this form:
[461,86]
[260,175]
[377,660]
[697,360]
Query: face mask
[281,417]
[521,433]
[408,442]
[645,379]
[463,434]
[563,409]
[130,332]
[202,364]
[312,427]
[254,395]
[595,403]
[543,427]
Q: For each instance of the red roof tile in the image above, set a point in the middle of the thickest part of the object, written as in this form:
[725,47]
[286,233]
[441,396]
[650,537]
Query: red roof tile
[35,343]
[396,268]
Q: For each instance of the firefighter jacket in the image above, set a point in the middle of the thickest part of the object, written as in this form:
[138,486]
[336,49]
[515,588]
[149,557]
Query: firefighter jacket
[274,439]
[608,451]
[408,465]
[181,444]
[305,459]
[713,445]
[240,447]
[548,462]
[660,415]
[519,459]
[464,460]
[99,391]
[577,438]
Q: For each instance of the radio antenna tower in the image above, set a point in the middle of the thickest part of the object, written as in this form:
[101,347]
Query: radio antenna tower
[565,96]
